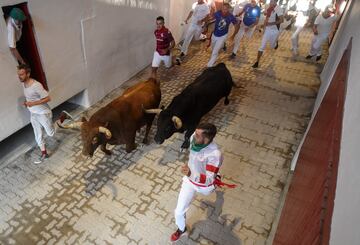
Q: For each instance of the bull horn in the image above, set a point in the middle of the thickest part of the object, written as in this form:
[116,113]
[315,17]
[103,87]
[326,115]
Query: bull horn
[177,122]
[74,125]
[105,131]
[153,111]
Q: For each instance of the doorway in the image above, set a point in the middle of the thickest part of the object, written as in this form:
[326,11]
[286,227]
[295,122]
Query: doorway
[27,44]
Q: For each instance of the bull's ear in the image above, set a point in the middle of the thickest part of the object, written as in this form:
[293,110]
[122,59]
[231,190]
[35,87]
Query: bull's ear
[83,119]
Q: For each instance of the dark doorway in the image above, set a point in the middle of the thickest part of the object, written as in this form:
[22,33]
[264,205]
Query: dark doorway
[27,44]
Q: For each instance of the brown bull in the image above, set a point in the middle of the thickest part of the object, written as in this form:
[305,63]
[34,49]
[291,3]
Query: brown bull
[117,122]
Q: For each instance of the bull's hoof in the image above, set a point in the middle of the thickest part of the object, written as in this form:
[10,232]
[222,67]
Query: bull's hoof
[107,152]
[226,102]
[130,148]
[185,145]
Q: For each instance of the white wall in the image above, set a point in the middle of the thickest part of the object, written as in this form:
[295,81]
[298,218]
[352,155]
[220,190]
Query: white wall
[85,45]
[346,215]
[179,10]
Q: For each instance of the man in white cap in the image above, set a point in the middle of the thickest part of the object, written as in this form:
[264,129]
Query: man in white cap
[14,31]
[322,28]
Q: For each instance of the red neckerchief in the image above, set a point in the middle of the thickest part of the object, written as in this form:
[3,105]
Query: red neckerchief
[269,11]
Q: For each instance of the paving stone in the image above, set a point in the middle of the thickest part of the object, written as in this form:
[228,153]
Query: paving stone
[130,198]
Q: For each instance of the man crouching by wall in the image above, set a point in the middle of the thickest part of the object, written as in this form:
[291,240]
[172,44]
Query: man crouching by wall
[36,102]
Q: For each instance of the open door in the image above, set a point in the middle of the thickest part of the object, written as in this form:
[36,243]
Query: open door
[27,44]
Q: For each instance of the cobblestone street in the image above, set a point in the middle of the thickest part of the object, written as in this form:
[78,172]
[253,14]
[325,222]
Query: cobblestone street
[130,198]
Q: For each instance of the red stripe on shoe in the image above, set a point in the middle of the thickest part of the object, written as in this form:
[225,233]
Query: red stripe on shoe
[202,178]
[212,168]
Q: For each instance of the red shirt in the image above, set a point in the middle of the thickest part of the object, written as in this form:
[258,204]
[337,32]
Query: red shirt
[163,40]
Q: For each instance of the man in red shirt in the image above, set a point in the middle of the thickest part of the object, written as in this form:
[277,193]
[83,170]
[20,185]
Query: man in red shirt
[164,43]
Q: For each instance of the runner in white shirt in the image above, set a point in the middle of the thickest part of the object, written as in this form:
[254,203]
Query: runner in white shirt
[36,102]
[302,7]
[14,31]
[274,17]
[200,173]
[199,14]
[322,28]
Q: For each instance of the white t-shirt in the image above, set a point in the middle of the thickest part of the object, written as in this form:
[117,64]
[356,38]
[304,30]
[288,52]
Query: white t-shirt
[36,92]
[324,25]
[238,8]
[205,164]
[200,11]
[277,11]
[14,32]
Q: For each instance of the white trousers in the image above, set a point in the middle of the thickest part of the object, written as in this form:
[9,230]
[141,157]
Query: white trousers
[194,31]
[38,122]
[217,43]
[295,39]
[157,59]
[316,44]
[243,30]
[186,195]
[270,36]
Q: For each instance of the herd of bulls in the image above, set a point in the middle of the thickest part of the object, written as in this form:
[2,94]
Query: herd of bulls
[117,122]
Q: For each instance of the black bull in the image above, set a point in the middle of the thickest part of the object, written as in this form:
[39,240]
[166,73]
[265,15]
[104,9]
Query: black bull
[198,98]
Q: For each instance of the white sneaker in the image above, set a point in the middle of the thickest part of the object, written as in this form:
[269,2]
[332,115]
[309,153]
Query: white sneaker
[42,158]
[203,36]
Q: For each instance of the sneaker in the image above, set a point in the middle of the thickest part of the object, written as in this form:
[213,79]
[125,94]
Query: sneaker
[178,62]
[255,65]
[308,57]
[318,58]
[203,37]
[232,56]
[276,45]
[42,158]
[64,115]
[177,234]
